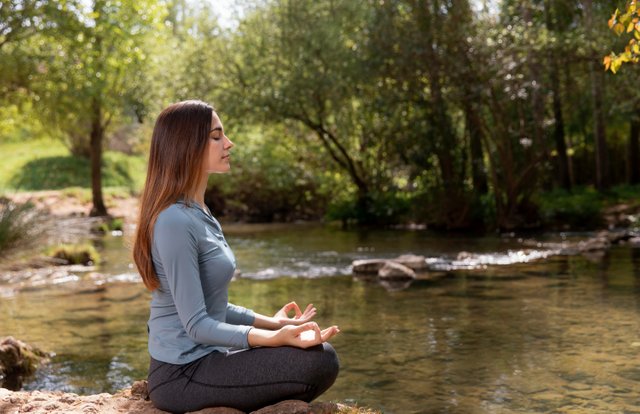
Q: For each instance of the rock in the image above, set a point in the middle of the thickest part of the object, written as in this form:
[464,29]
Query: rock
[132,401]
[618,237]
[412,261]
[594,244]
[396,271]
[326,408]
[217,410]
[285,407]
[18,360]
[139,390]
[299,407]
[368,265]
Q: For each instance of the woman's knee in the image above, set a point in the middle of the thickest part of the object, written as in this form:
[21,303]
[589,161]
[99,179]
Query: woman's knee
[330,361]
[327,366]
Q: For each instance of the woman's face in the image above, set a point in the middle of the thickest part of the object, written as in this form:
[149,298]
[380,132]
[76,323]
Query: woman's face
[216,158]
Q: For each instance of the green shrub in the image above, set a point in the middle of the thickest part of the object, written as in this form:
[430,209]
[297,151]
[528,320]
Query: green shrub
[84,253]
[389,207]
[17,228]
[577,209]
[114,224]
[268,182]
[625,192]
[58,172]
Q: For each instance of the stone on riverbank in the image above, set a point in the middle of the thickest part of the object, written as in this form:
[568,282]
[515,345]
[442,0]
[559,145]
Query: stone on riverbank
[396,271]
[18,361]
[134,400]
[412,261]
[369,266]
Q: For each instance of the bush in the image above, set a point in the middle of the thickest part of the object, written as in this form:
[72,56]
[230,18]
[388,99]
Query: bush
[578,209]
[390,207]
[268,182]
[109,225]
[17,228]
[84,254]
[58,172]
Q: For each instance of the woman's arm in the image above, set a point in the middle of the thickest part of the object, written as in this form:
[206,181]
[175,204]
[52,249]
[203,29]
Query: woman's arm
[177,248]
[281,318]
[302,336]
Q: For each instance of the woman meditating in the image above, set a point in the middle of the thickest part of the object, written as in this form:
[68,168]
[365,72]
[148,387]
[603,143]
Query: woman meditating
[205,351]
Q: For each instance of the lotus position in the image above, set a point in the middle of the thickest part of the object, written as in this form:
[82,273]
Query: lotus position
[205,351]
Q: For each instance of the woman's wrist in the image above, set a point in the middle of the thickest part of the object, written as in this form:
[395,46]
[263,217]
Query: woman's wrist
[262,337]
[267,322]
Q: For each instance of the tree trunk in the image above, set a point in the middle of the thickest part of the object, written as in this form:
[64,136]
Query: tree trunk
[597,81]
[478,173]
[537,99]
[602,158]
[633,160]
[562,164]
[454,207]
[97,135]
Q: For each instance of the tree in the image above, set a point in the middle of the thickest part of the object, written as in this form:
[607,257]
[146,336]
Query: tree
[303,62]
[620,22]
[96,77]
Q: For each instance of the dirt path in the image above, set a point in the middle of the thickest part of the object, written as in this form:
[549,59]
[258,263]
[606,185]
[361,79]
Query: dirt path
[77,203]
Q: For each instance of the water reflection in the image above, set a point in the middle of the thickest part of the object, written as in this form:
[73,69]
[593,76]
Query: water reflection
[560,335]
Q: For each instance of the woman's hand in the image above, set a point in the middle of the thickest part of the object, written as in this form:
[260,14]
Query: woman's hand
[302,336]
[282,316]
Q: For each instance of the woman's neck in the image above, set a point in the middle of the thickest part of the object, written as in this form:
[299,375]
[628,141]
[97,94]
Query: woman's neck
[198,197]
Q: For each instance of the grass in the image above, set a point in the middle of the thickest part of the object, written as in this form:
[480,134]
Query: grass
[84,253]
[46,164]
[17,227]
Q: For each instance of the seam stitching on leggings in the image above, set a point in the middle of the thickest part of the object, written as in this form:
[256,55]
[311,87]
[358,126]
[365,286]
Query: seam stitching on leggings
[250,385]
[154,370]
[150,390]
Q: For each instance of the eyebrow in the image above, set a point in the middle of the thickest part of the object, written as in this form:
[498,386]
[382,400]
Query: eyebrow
[216,129]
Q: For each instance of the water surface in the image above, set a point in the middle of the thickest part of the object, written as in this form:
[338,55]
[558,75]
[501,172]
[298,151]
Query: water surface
[555,335]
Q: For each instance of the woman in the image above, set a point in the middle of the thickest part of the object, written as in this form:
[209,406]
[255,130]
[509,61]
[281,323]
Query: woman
[195,335]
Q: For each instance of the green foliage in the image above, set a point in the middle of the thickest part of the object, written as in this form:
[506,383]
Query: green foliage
[386,208]
[579,209]
[19,123]
[17,226]
[624,193]
[626,21]
[109,225]
[269,181]
[15,154]
[84,254]
[372,112]
[58,172]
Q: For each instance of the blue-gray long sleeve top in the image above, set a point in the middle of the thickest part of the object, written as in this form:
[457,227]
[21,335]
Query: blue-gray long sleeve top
[190,313]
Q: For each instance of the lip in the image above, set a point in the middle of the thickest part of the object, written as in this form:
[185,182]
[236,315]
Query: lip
[226,157]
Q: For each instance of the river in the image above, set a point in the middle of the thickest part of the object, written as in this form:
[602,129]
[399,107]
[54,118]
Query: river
[495,332]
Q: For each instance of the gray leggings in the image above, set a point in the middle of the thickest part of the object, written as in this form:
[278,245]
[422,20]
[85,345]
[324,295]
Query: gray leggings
[245,380]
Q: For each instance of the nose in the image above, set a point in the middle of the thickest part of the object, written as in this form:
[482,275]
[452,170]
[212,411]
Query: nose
[228,143]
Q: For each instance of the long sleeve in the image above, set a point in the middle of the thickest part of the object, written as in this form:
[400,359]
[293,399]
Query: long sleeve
[177,249]
[238,315]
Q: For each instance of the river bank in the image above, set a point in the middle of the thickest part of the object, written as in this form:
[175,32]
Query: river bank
[135,400]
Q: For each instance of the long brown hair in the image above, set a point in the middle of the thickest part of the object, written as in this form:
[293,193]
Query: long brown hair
[178,146]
